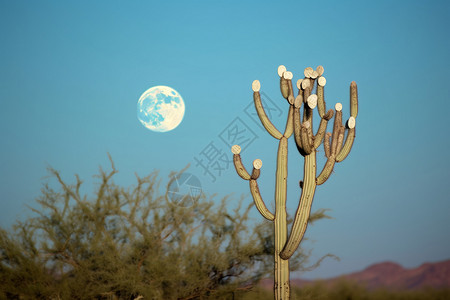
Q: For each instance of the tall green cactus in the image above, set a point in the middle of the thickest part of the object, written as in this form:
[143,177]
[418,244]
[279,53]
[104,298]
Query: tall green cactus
[336,150]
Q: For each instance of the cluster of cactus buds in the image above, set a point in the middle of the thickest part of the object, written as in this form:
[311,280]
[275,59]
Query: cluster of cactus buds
[337,146]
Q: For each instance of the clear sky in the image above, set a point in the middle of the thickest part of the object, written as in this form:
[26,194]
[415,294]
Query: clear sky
[71,74]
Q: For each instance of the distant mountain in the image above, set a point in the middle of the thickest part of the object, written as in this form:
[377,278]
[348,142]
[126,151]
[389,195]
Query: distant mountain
[389,275]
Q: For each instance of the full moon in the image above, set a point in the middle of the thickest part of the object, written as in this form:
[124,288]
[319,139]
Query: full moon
[160,108]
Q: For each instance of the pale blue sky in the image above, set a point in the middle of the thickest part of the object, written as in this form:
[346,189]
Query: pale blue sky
[71,75]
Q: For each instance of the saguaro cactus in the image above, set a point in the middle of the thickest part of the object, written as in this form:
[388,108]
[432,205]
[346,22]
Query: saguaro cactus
[336,150]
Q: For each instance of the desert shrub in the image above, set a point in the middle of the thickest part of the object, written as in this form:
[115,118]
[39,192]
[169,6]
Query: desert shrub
[131,243]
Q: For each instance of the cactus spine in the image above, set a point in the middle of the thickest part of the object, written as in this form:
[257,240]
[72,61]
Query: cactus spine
[336,150]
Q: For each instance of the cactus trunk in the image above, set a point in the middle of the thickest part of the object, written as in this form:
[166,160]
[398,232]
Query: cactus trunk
[281,280]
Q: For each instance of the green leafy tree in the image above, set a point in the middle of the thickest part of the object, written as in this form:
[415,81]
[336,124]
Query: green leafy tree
[131,243]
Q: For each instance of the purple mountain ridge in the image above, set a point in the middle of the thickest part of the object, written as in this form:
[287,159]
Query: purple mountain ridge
[388,275]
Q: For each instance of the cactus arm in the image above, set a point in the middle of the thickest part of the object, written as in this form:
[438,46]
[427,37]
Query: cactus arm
[305,83]
[307,111]
[336,127]
[262,114]
[296,115]
[303,130]
[336,138]
[321,107]
[259,203]
[353,99]
[342,154]
[299,85]
[311,103]
[288,76]
[326,145]
[306,134]
[311,75]
[257,163]
[286,84]
[300,89]
[340,140]
[308,72]
[333,158]
[240,169]
[322,128]
[254,189]
[290,123]
[327,169]
[304,208]
[284,87]
[349,140]
[337,152]
[318,138]
[297,129]
[320,70]
[306,137]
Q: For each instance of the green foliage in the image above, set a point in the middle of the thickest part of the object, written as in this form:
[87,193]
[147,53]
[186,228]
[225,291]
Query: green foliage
[131,243]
